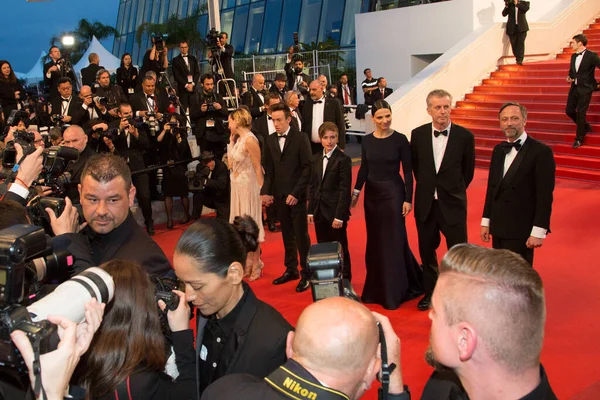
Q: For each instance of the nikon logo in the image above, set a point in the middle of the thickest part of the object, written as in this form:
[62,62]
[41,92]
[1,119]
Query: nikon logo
[295,387]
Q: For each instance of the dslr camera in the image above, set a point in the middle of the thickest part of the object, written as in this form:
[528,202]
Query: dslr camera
[56,119]
[158,39]
[325,261]
[212,39]
[26,140]
[103,101]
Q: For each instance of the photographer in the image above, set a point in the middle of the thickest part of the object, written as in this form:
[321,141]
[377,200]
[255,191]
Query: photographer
[112,232]
[173,146]
[66,108]
[334,354]
[100,136]
[155,59]
[94,109]
[111,95]
[516,26]
[55,70]
[28,171]
[130,144]
[297,79]
[224,52]
[75,137]
[208,110]
[211,186]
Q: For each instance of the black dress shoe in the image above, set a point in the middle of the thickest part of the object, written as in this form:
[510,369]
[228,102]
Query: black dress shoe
[273,228]
[577,144]
[303,285]
[286,277]
[150,230]
[424,303]
[412,294]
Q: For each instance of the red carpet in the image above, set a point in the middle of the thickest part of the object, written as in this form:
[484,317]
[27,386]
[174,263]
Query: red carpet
[542,88]
[567,263]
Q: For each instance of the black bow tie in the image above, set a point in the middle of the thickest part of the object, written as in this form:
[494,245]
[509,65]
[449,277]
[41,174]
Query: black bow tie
[65,100]
[507,146]
[281,136]
[269,117]
[150,96]
[325,157]
[318,101]
[184,55]
[580,53]
[438,133]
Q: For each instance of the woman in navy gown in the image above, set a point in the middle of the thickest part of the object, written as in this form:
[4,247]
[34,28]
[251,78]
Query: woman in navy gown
[393,274]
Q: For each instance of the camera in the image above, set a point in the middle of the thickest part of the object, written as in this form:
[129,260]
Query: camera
[16,116]
[212,39]
[158,39]
[109,133]
[38,216]
[103,101]
[296,43]
[56,161]
[19,245]
[26,140]
[56,118]
[196,178]
[325,261]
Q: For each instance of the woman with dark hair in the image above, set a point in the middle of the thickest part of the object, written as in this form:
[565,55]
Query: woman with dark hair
[393,274]
[173,146]
[128,353]
[127,75]
[237,333]
[11,90]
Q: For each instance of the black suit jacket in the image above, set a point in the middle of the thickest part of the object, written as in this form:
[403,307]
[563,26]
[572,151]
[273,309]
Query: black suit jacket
[88,74]
[261,334]
[281,94]
[55,76]
[75,110]
[511,26]
[291,78]
[333,113]
[200,117]
[453,178]
[330,194]
[181,72]
[586,82]
[217,186]
[75,169]
[340,93]
[139,102]
[522,198]
[252,100]
[134,153]
[287,172]
[226,57]
[377,94]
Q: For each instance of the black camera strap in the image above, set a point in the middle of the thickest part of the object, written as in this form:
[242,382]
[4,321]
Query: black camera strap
[386,369]
[296,387]
[37,370]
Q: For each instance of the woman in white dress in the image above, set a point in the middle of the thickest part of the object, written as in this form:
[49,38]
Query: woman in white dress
[243,158]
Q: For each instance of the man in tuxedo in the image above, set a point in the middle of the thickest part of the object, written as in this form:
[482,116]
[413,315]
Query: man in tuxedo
[94,109]
[443,158]
[208,110]
[287,173]
[113,94]
[263,125]
[75,137]
[293,102]
[516,26]
[225,55]
[368,86]
[88,74]
[254,98]
[345,92]
[69,107]
[186,73]
[216,187]
[330,193]
[318,109]
[518,200]
[581,77]
[54,70]
[279,85]
[382,90]
[296,78]
[130,144]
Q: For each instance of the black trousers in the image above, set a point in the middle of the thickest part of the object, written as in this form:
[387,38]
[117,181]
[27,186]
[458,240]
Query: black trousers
[220,205]
[517,42]
[430,239]
[271,212]
[294,229]
[326,233]
[184,100]
[577,106]
[142,193]
[518,246]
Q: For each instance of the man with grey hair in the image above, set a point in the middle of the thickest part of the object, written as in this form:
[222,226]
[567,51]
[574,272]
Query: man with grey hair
[318,109]
[518,200]
[487,328]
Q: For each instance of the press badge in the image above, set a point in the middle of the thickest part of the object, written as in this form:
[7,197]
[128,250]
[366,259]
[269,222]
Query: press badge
[203,353]
[210,123]
[190,79]
[130,91]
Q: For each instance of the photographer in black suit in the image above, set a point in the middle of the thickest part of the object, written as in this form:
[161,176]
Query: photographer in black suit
[186,73]
[518,200]
[297,79]
[212,189]
[88,74]
[208,110]
[516,26]
[113,95]
[66,108]
[224,52]
[56,69]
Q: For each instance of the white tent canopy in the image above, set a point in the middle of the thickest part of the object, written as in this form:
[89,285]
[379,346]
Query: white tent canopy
[36,73]
[107,60]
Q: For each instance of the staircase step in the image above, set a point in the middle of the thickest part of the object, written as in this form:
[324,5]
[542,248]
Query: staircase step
[531,106]
[532,74]
[539,89]
[591,139]
[536,66]
[594,25]
[561,172]
[517,97]
[534,80]
[557,148]
[541,125]
[559,116]
[563,160]
[591,31]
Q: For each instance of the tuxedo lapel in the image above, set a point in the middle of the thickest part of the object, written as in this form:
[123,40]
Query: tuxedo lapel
[289,138]
[428,144]
[330,162]
[319,169]
[451,148]
[511,174]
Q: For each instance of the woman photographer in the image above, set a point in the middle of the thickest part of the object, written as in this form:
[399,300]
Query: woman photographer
[173,146]
[127,75]
[11,90]
[237,333]
[128,353]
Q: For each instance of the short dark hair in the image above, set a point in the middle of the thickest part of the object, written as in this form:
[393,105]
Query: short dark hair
[328,127]
[64,80]
[53,47]
[281,107]
[380,104]
[205,77]
[124,104]
[224,33]
[183,41]
[514,104]
[215,244]
[271,96]
[365,71]
[581,38]
[106,167]
[379,79]
[12,213]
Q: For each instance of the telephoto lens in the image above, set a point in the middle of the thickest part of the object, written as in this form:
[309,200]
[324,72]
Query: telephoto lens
[69,299]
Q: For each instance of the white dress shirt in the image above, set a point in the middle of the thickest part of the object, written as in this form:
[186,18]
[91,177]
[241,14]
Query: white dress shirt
[64,106]
[270,125]
[282,140]
[536,231]
[578,59]
[439,149]
[317,119]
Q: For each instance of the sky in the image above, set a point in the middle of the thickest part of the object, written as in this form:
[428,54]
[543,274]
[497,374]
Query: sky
[28,27]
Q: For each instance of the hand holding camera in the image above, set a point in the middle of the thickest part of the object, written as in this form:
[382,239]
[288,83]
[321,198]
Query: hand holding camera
[67,222]
[392,342]
[179,318]
[31,167]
